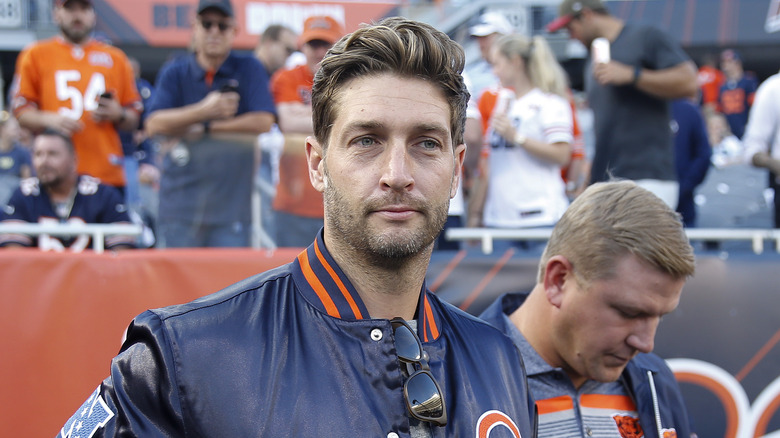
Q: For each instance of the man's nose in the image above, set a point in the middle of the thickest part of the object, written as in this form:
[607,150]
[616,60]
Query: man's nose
[397,167]
[642,337]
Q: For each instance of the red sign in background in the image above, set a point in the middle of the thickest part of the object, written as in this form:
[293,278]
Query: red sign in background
[167,23]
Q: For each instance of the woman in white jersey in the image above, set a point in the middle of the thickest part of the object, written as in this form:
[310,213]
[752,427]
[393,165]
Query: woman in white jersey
[528,126]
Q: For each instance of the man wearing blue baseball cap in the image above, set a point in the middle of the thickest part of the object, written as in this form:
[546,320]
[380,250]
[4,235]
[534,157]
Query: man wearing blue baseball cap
[212,104]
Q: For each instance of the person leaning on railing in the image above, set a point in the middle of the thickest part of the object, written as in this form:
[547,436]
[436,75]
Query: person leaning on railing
[59,195]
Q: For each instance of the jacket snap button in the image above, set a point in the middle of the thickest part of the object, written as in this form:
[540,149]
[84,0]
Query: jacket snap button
[376,334]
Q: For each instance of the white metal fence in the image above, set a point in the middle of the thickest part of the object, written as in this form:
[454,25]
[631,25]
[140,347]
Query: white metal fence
[486,236]
[97,232]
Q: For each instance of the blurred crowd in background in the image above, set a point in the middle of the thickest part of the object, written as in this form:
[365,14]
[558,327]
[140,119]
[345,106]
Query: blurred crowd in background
[212,153]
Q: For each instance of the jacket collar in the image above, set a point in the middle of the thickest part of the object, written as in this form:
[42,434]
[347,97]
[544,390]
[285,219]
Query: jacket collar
[642,363]
[324,285]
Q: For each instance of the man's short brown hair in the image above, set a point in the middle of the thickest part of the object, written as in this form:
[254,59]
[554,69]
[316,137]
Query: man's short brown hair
[396,46]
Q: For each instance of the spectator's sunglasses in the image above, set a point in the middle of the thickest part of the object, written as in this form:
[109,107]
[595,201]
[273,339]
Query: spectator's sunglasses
[422,393]
[221,25]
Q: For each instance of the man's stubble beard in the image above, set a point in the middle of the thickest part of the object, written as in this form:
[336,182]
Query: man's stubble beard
[388,247]
[77,37]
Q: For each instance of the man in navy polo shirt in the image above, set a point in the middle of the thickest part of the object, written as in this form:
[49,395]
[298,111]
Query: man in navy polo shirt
[212,104]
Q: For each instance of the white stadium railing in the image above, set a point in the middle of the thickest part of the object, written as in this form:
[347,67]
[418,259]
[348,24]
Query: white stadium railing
[487,235]
[97,232]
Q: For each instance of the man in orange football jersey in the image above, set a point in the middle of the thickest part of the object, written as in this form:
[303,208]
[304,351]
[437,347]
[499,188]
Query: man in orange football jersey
[81,87]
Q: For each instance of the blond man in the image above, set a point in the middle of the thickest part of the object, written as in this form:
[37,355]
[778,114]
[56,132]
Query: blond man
[615,264]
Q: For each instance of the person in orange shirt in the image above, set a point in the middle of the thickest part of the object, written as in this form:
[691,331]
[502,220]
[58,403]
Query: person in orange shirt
[710,79]
[80,87]
[298,206]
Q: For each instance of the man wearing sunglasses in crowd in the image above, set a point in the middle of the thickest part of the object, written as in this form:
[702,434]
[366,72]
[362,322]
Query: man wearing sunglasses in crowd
[211,104]
[346,340]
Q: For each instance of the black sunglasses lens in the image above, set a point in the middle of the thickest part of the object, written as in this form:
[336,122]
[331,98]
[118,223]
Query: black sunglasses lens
[319,44]
[208,24]
[423,396]
[406,344]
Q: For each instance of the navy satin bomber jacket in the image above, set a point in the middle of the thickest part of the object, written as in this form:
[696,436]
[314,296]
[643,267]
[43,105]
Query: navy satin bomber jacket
[292,352]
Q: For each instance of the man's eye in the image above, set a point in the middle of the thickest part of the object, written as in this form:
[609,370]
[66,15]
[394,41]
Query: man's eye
[430,144]
[366,141]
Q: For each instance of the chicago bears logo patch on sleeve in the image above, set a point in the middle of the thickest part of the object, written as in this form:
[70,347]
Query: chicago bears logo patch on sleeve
[90,417]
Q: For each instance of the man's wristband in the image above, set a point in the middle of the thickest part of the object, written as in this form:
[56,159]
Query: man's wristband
[637,73]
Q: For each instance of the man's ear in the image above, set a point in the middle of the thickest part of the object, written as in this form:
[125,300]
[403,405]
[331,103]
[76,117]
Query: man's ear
[557,271]
[460,156]
[315,158]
